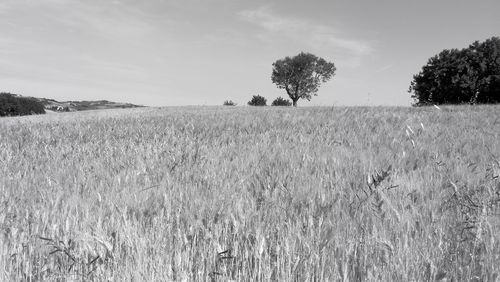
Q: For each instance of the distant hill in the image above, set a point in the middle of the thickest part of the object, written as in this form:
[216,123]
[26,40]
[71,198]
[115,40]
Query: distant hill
[73,106]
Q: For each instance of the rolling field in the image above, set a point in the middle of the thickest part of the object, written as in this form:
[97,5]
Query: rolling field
[252,194]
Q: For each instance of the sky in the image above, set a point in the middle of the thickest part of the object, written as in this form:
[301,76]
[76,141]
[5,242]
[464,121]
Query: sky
[203,52]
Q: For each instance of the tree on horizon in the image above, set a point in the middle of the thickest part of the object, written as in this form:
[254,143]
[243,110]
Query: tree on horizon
[301,75]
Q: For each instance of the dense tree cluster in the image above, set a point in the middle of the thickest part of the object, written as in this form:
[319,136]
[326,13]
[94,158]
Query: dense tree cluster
[470,75]
[12,105]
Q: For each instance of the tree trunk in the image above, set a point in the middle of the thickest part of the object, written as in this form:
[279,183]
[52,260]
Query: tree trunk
[294,102]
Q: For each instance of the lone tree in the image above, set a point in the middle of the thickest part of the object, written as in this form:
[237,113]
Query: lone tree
[470,75]
[301,75]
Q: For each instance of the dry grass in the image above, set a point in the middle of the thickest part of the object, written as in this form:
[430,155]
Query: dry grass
[251,194]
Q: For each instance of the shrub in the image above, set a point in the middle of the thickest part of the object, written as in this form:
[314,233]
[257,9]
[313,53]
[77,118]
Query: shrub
[281,102]
[12,105]
[229,103]
[258,100]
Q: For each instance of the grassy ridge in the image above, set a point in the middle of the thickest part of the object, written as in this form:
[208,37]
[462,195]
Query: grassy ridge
[252,194]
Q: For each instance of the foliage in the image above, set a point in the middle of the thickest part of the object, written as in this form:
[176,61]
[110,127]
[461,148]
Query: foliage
[301,75]
[281,102]
[12,105]
[229,103]
[258,100]
[470,75]
[320,194]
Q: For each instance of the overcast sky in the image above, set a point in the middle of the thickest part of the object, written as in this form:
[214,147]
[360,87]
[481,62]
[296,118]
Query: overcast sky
[202,52]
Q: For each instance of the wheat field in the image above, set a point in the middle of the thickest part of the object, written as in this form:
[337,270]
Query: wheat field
[252,194]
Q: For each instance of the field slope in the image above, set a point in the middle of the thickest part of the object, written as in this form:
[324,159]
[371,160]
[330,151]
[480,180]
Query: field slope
[252,194]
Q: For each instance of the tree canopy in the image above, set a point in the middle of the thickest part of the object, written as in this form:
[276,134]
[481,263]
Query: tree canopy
[301,75]
[470,75]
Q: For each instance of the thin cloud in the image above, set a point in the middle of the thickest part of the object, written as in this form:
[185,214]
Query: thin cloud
[384,68]
[264,17]
[350,50]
